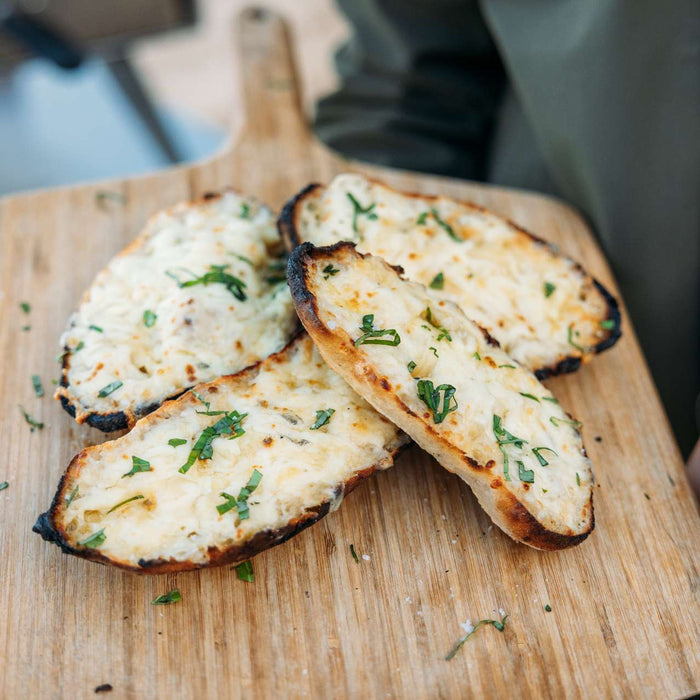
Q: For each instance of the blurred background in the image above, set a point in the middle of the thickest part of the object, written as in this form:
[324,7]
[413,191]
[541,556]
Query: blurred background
[595,102]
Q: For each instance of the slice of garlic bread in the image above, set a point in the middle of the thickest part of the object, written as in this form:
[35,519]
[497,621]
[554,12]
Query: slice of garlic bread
[542,307]
[444,381]
[225,471]
[200,293]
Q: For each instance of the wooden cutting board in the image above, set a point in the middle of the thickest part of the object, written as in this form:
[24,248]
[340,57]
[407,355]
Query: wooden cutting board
[624,611]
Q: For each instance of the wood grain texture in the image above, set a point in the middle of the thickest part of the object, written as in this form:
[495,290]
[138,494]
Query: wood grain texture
[625,616]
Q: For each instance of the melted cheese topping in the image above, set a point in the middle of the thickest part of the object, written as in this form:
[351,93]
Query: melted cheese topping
[495,272]
[301,468]
[200,332]
[487,381]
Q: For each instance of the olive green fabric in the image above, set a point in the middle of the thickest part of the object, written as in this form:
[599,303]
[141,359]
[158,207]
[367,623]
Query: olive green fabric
[597,102]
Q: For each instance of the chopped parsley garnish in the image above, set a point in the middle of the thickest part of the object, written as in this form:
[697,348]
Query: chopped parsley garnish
[438,281]
[529,396]
[500,626]
[444,333]
[168,598]
[556,422]
[79,346]
[434,351]
[101,197]
[411,366]
[503,438]
[440,400]
[476,356]
[25,306]
[240,503]
[550,399]
[548,608]
[175,442]
[536,451]
[93,327]
[229,424]
[322,418]
[26,328]
[329,271]
[608,324]
[138,465]
[217,275]
[149,318]
[95,540]
[358,210]
[73,494]
[123,503]
[507,367]
[526,475]
[35,424]
[107,390]
[245,210]
[354,553]
[244,571]
[278,272]
[578,479]
[243,258]
[36,383]
[570,339]
[548,289]
[422,218]
[3,485]
[446,227]
[376,336]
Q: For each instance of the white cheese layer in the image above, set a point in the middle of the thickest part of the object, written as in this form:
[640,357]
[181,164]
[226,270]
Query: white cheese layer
[137,325]
[539,305]
[443,346]
[301,468]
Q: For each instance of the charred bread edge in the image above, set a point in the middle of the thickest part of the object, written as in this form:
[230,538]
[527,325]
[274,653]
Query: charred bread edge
[51,532]
[287,226]
[125,419]
[509,513]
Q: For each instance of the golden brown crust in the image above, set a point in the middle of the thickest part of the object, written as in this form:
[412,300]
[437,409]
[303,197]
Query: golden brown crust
[339,351]
[288,225]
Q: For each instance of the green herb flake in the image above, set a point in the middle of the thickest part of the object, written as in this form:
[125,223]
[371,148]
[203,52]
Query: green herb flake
[35,424]
[243,258]
[548,608]
[95,540]
[359,210]
[525,475]
[434,351]
[168,598]
[556,422]
[79,346]
[500,626]
[244,571]
[376,336]
[176,442]
[229,424]
[570,339]
[240,503]
[110,388]
[551,399]
[216,274]
[647,496]
[537,450]
[578,479]
[36,383]
[548,289]
[504,438]
[422,219]
[25,306]
[438,281]
[138,465]
[476,356]
[149,318]
[354,554]
[26,328]
[444,333]
[245,210]
[329,271]
[322,418]
[529,396]
[440,400]
[123,503]
[3,485]
[446,227]
[608,324]
[411,366]
[93,327]
[507,367]
[103,196]
[73,494]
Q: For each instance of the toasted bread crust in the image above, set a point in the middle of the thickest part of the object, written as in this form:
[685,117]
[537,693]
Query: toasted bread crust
[289,228]
[339,351]
[49,526]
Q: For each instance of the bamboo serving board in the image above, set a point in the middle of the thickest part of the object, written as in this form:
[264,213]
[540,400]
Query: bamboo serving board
[625,616]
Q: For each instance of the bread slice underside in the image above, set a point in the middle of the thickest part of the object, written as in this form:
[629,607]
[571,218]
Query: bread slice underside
[545,310]
[439,377]
[229,469]
[200,293]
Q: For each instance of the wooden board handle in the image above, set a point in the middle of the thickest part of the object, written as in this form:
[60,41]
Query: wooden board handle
[271,90]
